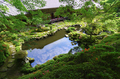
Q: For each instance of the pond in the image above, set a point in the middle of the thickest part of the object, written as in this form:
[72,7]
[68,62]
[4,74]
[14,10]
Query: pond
[45,49]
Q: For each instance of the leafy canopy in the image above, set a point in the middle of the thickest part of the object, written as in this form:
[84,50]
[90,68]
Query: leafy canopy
[15,22]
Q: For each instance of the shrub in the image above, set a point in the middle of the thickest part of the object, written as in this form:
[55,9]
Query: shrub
[65,58]
[55,57]
[81,57]
[46,25]
[16,43]
[45,28]
[32,33]
[111,60]
[17,48]
[14,36]
[26,68]
[70,29]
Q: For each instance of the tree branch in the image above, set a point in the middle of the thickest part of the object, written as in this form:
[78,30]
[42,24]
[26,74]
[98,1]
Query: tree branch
[111,6]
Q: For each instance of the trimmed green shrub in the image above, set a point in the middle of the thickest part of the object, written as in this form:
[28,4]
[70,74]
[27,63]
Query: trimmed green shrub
[70,29]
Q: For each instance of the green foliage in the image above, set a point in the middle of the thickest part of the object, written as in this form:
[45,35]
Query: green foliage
[17,48]
[66,11]
[3,52]
[70,29]
[93,28]
[14,36]
[46,25]
[16,23]
[16,43]
[55,58]
[114,61]
[99,48]
[45,28]
[29,4]
[78,67]
[110,25]
[26,68]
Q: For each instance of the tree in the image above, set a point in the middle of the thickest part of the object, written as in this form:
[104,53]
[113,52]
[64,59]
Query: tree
[89,11]
[12,22]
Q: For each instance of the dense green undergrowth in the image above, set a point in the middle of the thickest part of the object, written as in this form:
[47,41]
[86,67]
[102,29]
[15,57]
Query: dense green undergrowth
[86,65]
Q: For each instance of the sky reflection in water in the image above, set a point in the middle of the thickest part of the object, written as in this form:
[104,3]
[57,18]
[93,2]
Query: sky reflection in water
[60,46]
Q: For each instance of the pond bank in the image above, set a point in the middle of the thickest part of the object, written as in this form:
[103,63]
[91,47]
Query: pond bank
[45,49]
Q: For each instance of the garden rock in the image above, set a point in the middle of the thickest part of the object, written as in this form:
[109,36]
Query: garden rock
[26,60]
[31,59]
[10,65]
[66,35]
[65,28]
[11,60]
[21,54]
[13,54]
[77,25]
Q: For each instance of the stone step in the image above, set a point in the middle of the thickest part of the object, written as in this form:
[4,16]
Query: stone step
[11,60]
[10,65]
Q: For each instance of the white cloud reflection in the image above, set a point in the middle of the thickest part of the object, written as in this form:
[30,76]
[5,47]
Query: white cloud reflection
[49,51]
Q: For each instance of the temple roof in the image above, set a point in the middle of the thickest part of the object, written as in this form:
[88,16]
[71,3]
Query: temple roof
[49,4]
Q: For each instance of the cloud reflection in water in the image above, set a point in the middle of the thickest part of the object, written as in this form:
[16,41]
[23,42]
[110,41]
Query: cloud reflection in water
[60,46]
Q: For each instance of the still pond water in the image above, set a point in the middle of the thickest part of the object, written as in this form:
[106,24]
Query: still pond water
[45,49]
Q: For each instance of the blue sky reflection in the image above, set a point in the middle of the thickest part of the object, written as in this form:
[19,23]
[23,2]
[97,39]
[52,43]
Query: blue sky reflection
[60,46]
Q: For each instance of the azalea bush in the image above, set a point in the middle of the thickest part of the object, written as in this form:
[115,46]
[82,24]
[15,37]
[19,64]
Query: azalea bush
[112,40]
[110,59]
[79,66]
